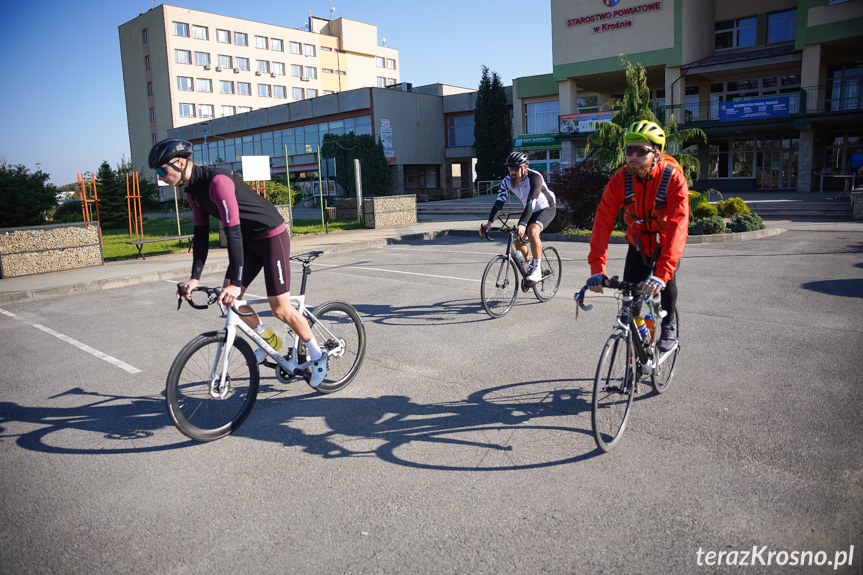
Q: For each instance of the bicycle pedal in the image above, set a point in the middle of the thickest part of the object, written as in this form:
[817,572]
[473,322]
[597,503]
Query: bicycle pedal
[268,363]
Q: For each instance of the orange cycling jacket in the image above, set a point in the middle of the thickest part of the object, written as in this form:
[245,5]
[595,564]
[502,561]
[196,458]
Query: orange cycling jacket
[656,211]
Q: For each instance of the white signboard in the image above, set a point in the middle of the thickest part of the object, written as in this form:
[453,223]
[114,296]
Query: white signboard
[256,168]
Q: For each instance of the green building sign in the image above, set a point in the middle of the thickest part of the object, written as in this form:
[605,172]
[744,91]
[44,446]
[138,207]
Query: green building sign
[534,142]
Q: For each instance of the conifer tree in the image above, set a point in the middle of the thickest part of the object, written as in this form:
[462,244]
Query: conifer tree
[491,132]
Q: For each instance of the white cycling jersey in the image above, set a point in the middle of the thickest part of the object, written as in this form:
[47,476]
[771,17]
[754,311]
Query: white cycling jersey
[533,193]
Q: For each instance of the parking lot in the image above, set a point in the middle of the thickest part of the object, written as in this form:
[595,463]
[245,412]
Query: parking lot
[464,444]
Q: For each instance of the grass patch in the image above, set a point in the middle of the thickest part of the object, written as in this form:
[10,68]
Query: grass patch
[114,246]
[586,233]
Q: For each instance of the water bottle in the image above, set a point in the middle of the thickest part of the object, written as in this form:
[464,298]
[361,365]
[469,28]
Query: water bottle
[648,321]
[520,261]
[642,329]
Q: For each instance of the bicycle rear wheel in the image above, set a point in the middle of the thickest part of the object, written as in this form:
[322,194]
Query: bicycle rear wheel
[662,374]
[499,286]
[551,271]
[613,391]
[198,404]
[338,327]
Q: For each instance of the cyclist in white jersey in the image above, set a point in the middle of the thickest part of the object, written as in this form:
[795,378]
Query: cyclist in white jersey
[539,209]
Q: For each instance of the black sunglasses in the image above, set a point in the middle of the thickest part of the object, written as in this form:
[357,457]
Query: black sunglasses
[640,151]
[163,172]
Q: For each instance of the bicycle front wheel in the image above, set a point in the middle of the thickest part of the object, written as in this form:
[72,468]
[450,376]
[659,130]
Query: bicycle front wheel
[551,271]
[499,286]
[340,333]
[201,404]
[613,391]
[662,374]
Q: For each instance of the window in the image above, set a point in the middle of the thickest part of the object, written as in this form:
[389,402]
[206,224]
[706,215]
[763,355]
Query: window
[244,88]
[541,117]
[202,58]
[187,110]
[243,109]
[460,130]
[226,87]
[382,82]
[326,49]
[225,61]
[379,62]
[297,93]
[183,56]
[152,114]
[309,49]
[279,68]
[326,71]
[277,45]
[145,35]
[200,32]
[204,85]
[181,29]
[241,39]
[391,81]
[227,111]
[296,70]
[327,92]
[261,42]
[223,36]
[262,66]
[391,64]
[264,90]
[294,47]
[280,92]
[146,62]
[149,88]
[184,83]
[735,33]
[311,72]
[205,111]
[153,139]
[421,177]
[588,104]
[311,93]
[242,63]
[782,26]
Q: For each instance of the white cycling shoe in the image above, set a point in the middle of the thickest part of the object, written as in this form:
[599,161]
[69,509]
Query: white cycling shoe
[535,274]
[319,371]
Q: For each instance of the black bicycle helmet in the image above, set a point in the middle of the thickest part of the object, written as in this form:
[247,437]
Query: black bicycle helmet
[166,150]
[516,159]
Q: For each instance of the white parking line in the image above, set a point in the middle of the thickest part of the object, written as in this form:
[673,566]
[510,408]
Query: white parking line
[83,347]
[398,272]
[437,249]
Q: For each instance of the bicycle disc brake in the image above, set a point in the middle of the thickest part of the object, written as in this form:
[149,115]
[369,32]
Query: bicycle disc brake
[219,393]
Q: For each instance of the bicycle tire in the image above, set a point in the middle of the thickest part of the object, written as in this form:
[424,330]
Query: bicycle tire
[343,322]
[193,407]
[663,374]
[552,270]
[499,286]
[613,388]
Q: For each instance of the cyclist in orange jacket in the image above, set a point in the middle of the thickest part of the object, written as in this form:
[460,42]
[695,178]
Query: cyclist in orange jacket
[653,192]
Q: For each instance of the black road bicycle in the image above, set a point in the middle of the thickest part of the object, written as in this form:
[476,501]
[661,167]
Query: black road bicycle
[625,360]
[500,280]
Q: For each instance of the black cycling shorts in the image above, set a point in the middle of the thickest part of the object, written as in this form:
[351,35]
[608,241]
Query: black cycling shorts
[274,256]
[543,217]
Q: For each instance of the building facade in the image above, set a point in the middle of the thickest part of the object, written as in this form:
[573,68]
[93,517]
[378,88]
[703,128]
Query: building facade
[777,85]
[183,67]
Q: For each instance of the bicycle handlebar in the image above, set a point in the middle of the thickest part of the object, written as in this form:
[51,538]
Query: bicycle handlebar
[628,288]
[212,297]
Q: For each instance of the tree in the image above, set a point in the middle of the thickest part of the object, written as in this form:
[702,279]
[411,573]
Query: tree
[113,209]
[375,169]
[607,140]
[491,133]
[578,189]
[25,198]
[282,193]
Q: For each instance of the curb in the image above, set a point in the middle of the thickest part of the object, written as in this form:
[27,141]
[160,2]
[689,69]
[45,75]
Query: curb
[182,273]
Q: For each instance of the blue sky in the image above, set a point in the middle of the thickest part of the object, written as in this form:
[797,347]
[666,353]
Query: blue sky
[68,114]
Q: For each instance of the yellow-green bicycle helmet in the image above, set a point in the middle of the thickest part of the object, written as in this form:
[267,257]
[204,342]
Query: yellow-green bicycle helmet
[646,132]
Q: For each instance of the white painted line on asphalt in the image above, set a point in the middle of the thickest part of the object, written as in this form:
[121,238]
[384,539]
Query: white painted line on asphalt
[438,249]
[399,272]
[84,347]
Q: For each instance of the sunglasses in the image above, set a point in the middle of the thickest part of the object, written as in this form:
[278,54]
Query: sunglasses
[162,172]
[639,151]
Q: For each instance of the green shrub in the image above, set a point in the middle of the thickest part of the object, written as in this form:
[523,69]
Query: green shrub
[697,199]
[732,207]
[746,223]
[707,226]
[703,211]
[71,218]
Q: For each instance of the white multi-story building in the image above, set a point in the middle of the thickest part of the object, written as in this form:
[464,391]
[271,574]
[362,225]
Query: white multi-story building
[184,67]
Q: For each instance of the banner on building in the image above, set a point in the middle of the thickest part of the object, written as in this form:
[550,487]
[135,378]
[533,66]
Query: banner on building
[387,140]
[582,123]
[755,109]
[534,142]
